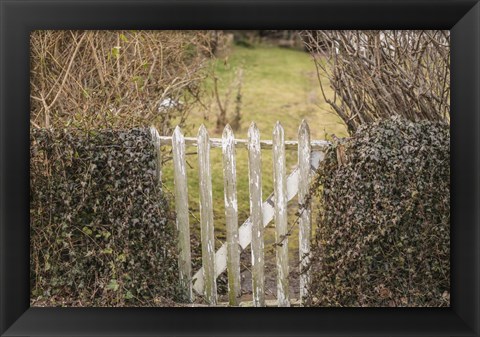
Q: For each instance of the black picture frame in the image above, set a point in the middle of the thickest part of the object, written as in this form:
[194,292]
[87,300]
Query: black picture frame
[19,17]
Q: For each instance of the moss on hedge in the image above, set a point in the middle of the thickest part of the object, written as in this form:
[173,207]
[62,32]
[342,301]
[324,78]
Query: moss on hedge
[101,232]
[383,237]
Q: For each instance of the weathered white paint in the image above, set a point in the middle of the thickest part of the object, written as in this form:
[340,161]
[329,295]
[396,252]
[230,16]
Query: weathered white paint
[206,217]
[231,215]
[281,221]
[305,228]
[245,230]
[181,209]
[317,145]
[255,185]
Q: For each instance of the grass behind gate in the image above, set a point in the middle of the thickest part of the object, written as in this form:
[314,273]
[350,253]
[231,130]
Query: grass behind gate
[278,84]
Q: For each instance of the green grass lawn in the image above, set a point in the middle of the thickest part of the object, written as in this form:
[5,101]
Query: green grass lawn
[278,85]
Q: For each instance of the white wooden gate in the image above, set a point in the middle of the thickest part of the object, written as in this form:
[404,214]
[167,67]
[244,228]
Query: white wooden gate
[227,257]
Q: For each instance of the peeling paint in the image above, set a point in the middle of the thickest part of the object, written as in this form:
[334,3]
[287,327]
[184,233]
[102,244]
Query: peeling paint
[231,214]
[206,216]
[181,209]
[280,192]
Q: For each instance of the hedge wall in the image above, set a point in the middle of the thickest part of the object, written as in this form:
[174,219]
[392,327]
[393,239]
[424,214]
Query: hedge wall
[383,236]
[101,233]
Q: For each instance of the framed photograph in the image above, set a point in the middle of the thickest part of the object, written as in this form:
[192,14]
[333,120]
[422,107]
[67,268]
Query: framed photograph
[239,168]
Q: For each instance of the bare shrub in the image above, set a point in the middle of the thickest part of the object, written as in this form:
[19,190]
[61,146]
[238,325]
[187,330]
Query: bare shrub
[221,43]
[105,79]
[223,103]
[378,74]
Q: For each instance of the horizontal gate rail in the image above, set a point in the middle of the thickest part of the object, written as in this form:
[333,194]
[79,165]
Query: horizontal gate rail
[316,145]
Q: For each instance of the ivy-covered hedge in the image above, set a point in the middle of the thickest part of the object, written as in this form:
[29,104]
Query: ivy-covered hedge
[383,236]
[101,232]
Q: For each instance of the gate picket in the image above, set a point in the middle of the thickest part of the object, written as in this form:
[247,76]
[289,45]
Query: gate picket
[181,210]
[256,216]
[231,215]
[206,217]
[280,192]
[305,228]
